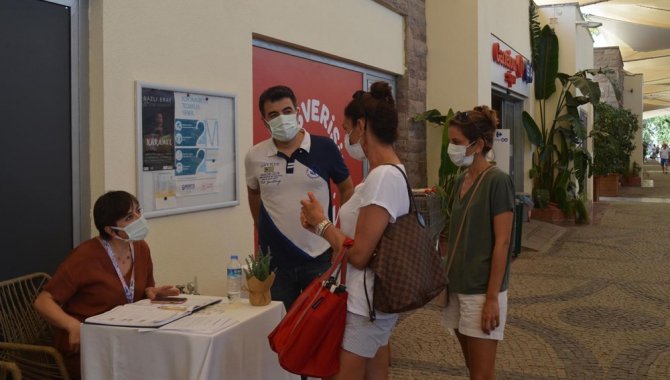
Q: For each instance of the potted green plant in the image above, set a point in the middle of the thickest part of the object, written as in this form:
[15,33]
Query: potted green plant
[259,278]
[613,134]
[631,176]
[605,166]
[448,170]
[560,163]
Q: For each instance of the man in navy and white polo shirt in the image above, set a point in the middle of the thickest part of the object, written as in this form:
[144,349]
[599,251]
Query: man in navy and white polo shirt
[279,172]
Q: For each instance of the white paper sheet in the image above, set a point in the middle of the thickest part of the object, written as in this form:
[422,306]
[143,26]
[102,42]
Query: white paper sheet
[143,313]
[200,324]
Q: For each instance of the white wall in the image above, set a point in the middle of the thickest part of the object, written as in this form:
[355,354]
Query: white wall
[459,57]
[206,44]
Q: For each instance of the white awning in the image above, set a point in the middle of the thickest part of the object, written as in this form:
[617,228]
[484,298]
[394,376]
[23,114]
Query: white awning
[641,30]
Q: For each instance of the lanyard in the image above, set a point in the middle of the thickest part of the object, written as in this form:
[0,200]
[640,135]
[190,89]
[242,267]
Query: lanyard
[128,290]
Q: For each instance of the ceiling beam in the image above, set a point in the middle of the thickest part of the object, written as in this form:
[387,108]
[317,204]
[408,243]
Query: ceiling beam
[644,59]
[593,2]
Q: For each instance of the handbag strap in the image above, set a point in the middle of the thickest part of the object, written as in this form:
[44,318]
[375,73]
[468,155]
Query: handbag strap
[465,213]
[339,264]
[342,259]
[412,201]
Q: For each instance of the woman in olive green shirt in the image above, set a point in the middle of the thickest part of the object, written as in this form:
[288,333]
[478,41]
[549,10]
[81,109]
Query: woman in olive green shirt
[483,203]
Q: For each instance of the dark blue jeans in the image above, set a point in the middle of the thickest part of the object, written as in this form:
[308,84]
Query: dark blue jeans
[290,282]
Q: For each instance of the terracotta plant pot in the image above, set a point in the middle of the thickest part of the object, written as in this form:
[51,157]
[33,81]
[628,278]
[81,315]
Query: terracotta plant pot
[259,291]
[635,180]
[608,185]
[550,214]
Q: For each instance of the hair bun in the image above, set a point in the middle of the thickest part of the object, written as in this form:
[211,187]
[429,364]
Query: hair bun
[382,91]
[488,113]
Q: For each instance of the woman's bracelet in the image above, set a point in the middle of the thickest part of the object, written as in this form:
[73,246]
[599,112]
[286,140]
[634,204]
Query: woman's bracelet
[323,232]
[322,226]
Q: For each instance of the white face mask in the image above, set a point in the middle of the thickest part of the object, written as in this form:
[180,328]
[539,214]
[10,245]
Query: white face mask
[457,154]
[355,150]
[284,127]
[136,230]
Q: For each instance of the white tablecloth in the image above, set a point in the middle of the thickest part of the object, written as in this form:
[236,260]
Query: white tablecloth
[239,352]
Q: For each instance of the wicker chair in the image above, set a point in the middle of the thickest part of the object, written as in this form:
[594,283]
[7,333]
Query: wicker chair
[25,338]
[11,369]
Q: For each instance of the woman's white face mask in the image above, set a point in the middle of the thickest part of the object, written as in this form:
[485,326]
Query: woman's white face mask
[136,230]
[457,154]
[354,150]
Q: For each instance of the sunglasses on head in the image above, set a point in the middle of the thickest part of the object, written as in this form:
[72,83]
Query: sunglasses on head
[461,117]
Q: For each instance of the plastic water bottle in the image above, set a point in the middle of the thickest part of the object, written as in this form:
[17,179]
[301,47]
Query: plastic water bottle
[234,279]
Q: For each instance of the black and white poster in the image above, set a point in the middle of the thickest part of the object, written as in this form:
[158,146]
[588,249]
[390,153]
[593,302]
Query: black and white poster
[157,129]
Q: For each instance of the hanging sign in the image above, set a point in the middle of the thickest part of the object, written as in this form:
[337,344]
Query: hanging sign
[510,69]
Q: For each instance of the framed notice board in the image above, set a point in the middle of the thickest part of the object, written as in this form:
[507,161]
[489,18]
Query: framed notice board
[186,149]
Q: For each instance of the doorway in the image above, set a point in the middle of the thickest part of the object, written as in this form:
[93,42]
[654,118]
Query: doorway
[509,109]
[42,198]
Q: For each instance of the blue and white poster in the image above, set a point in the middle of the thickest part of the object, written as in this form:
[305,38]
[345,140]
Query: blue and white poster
[196,143]
[188,150]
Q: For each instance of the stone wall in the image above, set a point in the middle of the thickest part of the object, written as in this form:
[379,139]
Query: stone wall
[609,58]
[411,89]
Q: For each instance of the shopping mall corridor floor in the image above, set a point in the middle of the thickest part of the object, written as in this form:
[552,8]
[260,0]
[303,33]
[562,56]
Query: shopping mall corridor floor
[596,305]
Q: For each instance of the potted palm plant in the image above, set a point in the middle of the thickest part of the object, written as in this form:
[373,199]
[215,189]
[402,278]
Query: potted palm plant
[561,163]
[259,278]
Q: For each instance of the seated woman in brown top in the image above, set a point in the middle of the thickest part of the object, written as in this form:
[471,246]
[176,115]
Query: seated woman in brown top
[109,270]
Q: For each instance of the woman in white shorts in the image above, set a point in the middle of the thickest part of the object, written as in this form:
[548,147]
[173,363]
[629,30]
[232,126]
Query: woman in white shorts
[371,126]
[480,257]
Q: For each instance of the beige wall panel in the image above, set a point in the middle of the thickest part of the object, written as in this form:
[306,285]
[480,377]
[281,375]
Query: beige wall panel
[452,38]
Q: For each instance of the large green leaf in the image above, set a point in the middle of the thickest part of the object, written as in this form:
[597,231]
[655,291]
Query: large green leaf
[532,130]
[535,30]
[587,87]
[546,67]
[582,163]
[564,78]
[432,116]
[573,124]
[447,167]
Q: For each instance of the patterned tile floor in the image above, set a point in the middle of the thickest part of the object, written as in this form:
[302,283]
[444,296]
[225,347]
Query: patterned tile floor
[596,305]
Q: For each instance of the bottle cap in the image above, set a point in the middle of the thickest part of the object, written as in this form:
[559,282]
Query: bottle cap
[233,257]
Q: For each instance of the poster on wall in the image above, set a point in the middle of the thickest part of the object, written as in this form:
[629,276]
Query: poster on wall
[157,129]
[188,149]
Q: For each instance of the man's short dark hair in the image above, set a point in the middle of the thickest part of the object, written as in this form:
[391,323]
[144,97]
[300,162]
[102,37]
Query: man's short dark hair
[274,94]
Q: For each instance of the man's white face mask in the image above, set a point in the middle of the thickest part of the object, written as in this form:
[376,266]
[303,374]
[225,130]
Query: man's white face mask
[284,127]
